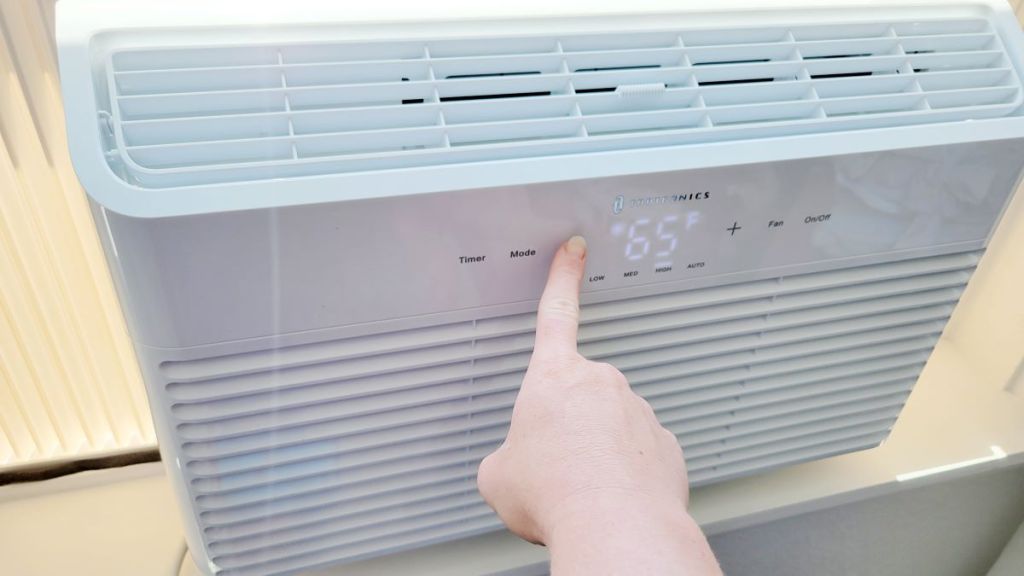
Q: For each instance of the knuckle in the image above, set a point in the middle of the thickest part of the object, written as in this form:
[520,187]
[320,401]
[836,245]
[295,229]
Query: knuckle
[561,306]
[671,437]
[610,375]
[486,476]
[555,369]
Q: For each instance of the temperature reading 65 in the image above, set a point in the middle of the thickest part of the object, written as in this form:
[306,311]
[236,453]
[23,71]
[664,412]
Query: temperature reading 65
[646,236]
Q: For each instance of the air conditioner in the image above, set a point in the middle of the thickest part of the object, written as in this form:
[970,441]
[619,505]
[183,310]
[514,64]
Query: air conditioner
[329,226]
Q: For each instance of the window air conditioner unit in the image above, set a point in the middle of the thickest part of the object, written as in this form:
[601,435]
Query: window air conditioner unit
[330,223]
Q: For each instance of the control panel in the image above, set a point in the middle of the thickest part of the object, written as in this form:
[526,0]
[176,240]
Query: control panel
[667,227]
[351,263]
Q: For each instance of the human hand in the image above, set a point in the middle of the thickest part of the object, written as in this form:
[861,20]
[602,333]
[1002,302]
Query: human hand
[586,463]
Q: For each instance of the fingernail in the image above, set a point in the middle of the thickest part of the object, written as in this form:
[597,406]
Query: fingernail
[577,246]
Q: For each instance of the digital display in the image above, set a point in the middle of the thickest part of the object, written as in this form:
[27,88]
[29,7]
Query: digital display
[653,240]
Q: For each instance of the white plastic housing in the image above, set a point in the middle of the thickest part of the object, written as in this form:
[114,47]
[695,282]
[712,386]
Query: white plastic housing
[329,226]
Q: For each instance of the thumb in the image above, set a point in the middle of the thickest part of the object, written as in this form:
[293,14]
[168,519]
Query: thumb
[558,314]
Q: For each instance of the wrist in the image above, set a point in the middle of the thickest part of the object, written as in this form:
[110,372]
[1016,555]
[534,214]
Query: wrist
[602,533]
[608,512]
[589,533]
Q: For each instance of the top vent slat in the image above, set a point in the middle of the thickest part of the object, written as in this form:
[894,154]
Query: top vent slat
[234,113]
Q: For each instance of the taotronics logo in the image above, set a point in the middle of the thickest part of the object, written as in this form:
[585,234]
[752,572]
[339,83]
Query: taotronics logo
[620,202]
[691,196]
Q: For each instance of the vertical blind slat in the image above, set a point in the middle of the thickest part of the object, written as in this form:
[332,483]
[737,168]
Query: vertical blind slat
[69,382]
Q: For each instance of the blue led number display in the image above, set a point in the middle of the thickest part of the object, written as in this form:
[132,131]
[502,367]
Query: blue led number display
[638,245]
[667,237]
[645,237]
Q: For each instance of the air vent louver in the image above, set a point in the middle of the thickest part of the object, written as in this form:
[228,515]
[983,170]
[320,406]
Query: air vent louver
[341,449]
[203,115]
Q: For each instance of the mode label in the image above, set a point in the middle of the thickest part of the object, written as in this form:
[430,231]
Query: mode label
[522,253]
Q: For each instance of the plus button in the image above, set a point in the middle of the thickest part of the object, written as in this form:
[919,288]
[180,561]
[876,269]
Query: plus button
[735,226]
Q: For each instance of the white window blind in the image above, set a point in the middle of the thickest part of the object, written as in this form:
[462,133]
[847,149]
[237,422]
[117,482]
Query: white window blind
[69,384]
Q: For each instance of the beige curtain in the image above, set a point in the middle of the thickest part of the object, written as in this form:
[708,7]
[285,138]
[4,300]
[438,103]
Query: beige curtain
[69,384]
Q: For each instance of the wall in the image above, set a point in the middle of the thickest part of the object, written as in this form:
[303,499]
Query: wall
[954,528]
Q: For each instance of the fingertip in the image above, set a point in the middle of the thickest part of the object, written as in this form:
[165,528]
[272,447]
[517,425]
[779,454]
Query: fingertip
[577,246]
[570,259]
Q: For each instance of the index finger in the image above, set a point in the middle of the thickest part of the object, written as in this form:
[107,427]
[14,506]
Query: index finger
[558,314]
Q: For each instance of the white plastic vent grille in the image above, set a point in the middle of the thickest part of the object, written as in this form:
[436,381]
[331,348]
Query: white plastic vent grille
[343,449]
[184,116]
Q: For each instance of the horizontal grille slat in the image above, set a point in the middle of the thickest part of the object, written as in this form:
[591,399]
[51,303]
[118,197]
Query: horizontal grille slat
[210,497]
[509,400]
[710,387]
[353,390]
[219,449]
[648,351]
[242,526]
[794,346]
[348,447]
[426,534]
[754,40]
[724,392]
[704,388]
[767,461]
[797,451]
[469,498]
[332,540]
[417,412]
[840,358]
[426,150]
[710,336]
[768,430]
[835,286]
[293,110]
[493,423]
[697,417]
[353,468]
[257,123]
[694,408]
[461,491]
[701,466]
[650,382]
[780,404]
[620,68]
[368,496]
[691,407]
[753,448]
